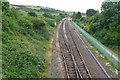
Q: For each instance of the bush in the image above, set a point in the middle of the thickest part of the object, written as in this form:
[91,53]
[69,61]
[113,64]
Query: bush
[48,15]
[22,64]
[8,24]
[50,22]
[40,27]
[38,24]
[31,13]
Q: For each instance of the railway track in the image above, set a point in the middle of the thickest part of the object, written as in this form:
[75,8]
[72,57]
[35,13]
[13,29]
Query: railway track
[74,64]
[73,60]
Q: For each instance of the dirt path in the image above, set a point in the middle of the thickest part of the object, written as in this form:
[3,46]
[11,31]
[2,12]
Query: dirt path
[56,69]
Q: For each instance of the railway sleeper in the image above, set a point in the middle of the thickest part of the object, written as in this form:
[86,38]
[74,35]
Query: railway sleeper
[71,69]
[80,65]
[72,75]
[84,72]
[85,76]
[71,66]
[69,61]
[71,72]
[67,56]
[82,69]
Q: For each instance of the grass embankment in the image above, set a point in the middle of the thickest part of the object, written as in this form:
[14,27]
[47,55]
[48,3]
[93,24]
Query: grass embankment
[25,41]
[23,55]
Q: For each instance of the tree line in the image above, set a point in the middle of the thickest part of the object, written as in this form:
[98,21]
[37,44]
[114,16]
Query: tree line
[104,25]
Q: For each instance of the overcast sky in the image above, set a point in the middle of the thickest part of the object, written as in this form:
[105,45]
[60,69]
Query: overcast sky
[67,5]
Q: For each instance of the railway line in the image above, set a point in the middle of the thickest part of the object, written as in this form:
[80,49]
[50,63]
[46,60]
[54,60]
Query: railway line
[76,66]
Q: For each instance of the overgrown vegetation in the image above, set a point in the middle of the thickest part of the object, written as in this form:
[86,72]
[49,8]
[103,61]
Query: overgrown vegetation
[91,12]
[77,16]
[104,26]
[0,39]
[25,40]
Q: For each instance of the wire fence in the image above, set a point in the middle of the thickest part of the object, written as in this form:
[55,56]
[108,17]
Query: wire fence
[112,57]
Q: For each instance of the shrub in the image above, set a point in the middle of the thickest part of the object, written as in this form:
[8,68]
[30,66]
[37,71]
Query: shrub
[48,15]
[38,24]
[50,22]
[31,13]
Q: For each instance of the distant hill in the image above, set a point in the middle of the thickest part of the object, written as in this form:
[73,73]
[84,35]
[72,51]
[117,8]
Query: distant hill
[38,8]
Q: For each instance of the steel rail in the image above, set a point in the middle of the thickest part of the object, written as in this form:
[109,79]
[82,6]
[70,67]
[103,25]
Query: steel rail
[67,44]
[96,59]
[93,56]
[69,49]
[79,53]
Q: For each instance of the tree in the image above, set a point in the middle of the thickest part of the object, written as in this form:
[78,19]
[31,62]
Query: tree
[91,12]
[49,15]
[110,13]
[5,8]
[31,13]
[63,15]
[77,15]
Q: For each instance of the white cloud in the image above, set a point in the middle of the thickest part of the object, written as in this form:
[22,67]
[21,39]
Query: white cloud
[68,5]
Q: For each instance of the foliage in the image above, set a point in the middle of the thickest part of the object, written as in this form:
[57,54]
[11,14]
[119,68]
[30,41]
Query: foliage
[25,40]
[105,26]
[14,13]
[50,10]
[38,24]
[91,12]
[5,8]
[47,15]
[31,13]
[77,15]
[62,15]
[51,22]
